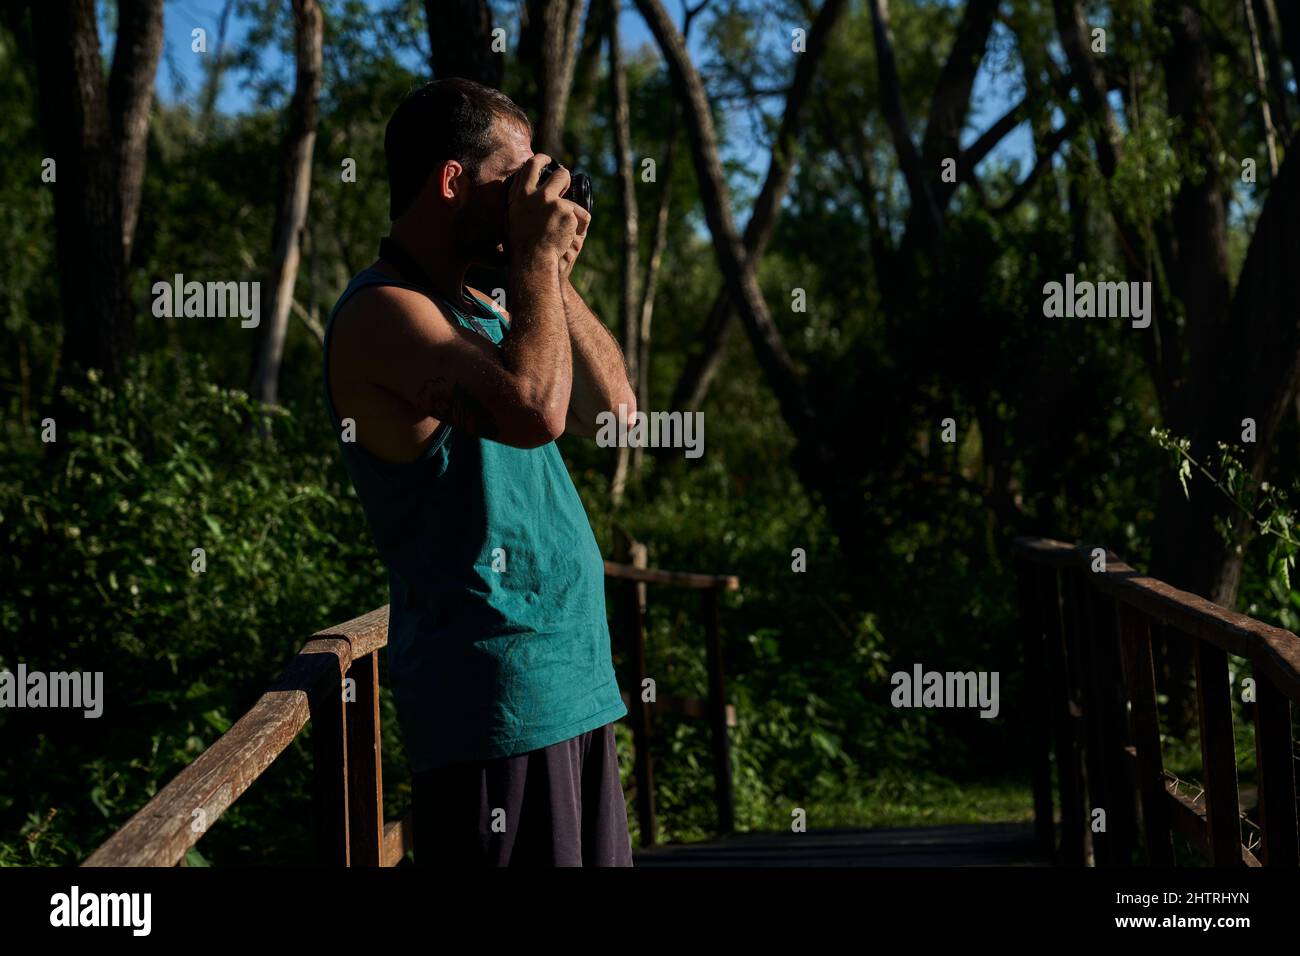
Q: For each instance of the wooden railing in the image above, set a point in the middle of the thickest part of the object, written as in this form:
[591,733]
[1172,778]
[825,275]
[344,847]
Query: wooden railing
[334,682]
[631,609]
[1088,637]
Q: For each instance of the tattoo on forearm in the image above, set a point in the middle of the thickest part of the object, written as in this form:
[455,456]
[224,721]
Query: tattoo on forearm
[453,403]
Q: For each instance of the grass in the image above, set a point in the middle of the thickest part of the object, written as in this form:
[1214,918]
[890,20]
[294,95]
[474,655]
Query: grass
[886,801]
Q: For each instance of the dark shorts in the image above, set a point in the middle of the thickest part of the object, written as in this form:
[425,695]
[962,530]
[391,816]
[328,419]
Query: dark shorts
[560,805]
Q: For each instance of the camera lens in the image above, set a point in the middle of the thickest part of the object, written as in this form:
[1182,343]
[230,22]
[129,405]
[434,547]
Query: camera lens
[579,190]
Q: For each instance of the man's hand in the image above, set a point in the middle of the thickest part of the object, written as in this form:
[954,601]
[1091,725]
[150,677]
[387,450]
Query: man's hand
[517,394]
[575,247]
[543,224]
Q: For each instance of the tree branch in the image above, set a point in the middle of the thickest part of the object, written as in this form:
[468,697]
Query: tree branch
[1041,165]
[701,366]
[973,154]
[909,158]
[733,261]
[951,100]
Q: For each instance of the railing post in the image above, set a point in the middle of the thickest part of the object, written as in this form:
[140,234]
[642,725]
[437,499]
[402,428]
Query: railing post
[1218,756]
[1109,703]
[1275,761]
[718,713]
[632,609]
[365,765]
[1076,586]
[1040,756]
[1069,769]
[330,770]
[1140,675]
[1098,638]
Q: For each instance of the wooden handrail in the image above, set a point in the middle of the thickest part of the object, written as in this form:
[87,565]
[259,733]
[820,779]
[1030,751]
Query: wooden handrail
[175,819]
[679,579]
[633,577]
[349,787]
[1276,650]
[1090,664]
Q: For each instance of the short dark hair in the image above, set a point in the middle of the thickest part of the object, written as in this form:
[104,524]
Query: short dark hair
[441,120]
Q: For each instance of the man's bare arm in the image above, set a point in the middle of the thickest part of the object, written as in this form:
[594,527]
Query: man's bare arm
[518,394]
[600,379]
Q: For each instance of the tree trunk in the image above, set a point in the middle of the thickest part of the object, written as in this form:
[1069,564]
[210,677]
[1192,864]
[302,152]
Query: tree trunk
[561,20]
[95,132]
[950,102]
[924,219]
[627,196]
[703,364]
[295,190]
[460,41]
[1243,349]
[1261,85]
[1163,347]
[657,245]
[813,456]
[1255,377]
[130,96]
[586,70]
[1288,17]
[1199,227]
[1269,29]
[216,70]
[949,107]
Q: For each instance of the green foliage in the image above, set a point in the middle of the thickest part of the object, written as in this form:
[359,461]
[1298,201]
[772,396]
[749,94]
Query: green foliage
[98,534]
[1051,417]
[1265,505]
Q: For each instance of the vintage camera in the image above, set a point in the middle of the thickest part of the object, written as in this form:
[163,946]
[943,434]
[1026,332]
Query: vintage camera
[579,190]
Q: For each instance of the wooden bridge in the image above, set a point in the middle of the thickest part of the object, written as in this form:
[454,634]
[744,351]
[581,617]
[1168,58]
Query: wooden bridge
[348,823]
[1090,628]
[1088,657]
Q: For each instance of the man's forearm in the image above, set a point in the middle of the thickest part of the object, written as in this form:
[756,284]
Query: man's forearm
[535,351]
[600,380]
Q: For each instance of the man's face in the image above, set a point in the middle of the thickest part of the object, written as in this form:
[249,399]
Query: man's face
[479,227]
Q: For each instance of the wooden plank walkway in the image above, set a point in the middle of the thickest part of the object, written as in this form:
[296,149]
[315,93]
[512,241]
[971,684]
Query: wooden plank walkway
[980,844]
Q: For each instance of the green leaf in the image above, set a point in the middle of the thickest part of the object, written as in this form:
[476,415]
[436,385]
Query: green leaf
[97,798]
[217,721]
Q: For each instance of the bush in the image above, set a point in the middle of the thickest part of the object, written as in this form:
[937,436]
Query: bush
[99,540]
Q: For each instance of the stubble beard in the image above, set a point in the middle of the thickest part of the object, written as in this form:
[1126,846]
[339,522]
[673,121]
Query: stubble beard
[480,235]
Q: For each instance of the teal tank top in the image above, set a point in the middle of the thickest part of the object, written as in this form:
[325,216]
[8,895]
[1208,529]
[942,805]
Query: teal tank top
[498,641]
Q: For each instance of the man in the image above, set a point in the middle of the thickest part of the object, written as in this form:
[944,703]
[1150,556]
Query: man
[447,410]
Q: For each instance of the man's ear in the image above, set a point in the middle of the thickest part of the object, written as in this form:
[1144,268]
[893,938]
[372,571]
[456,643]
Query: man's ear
[452,180]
